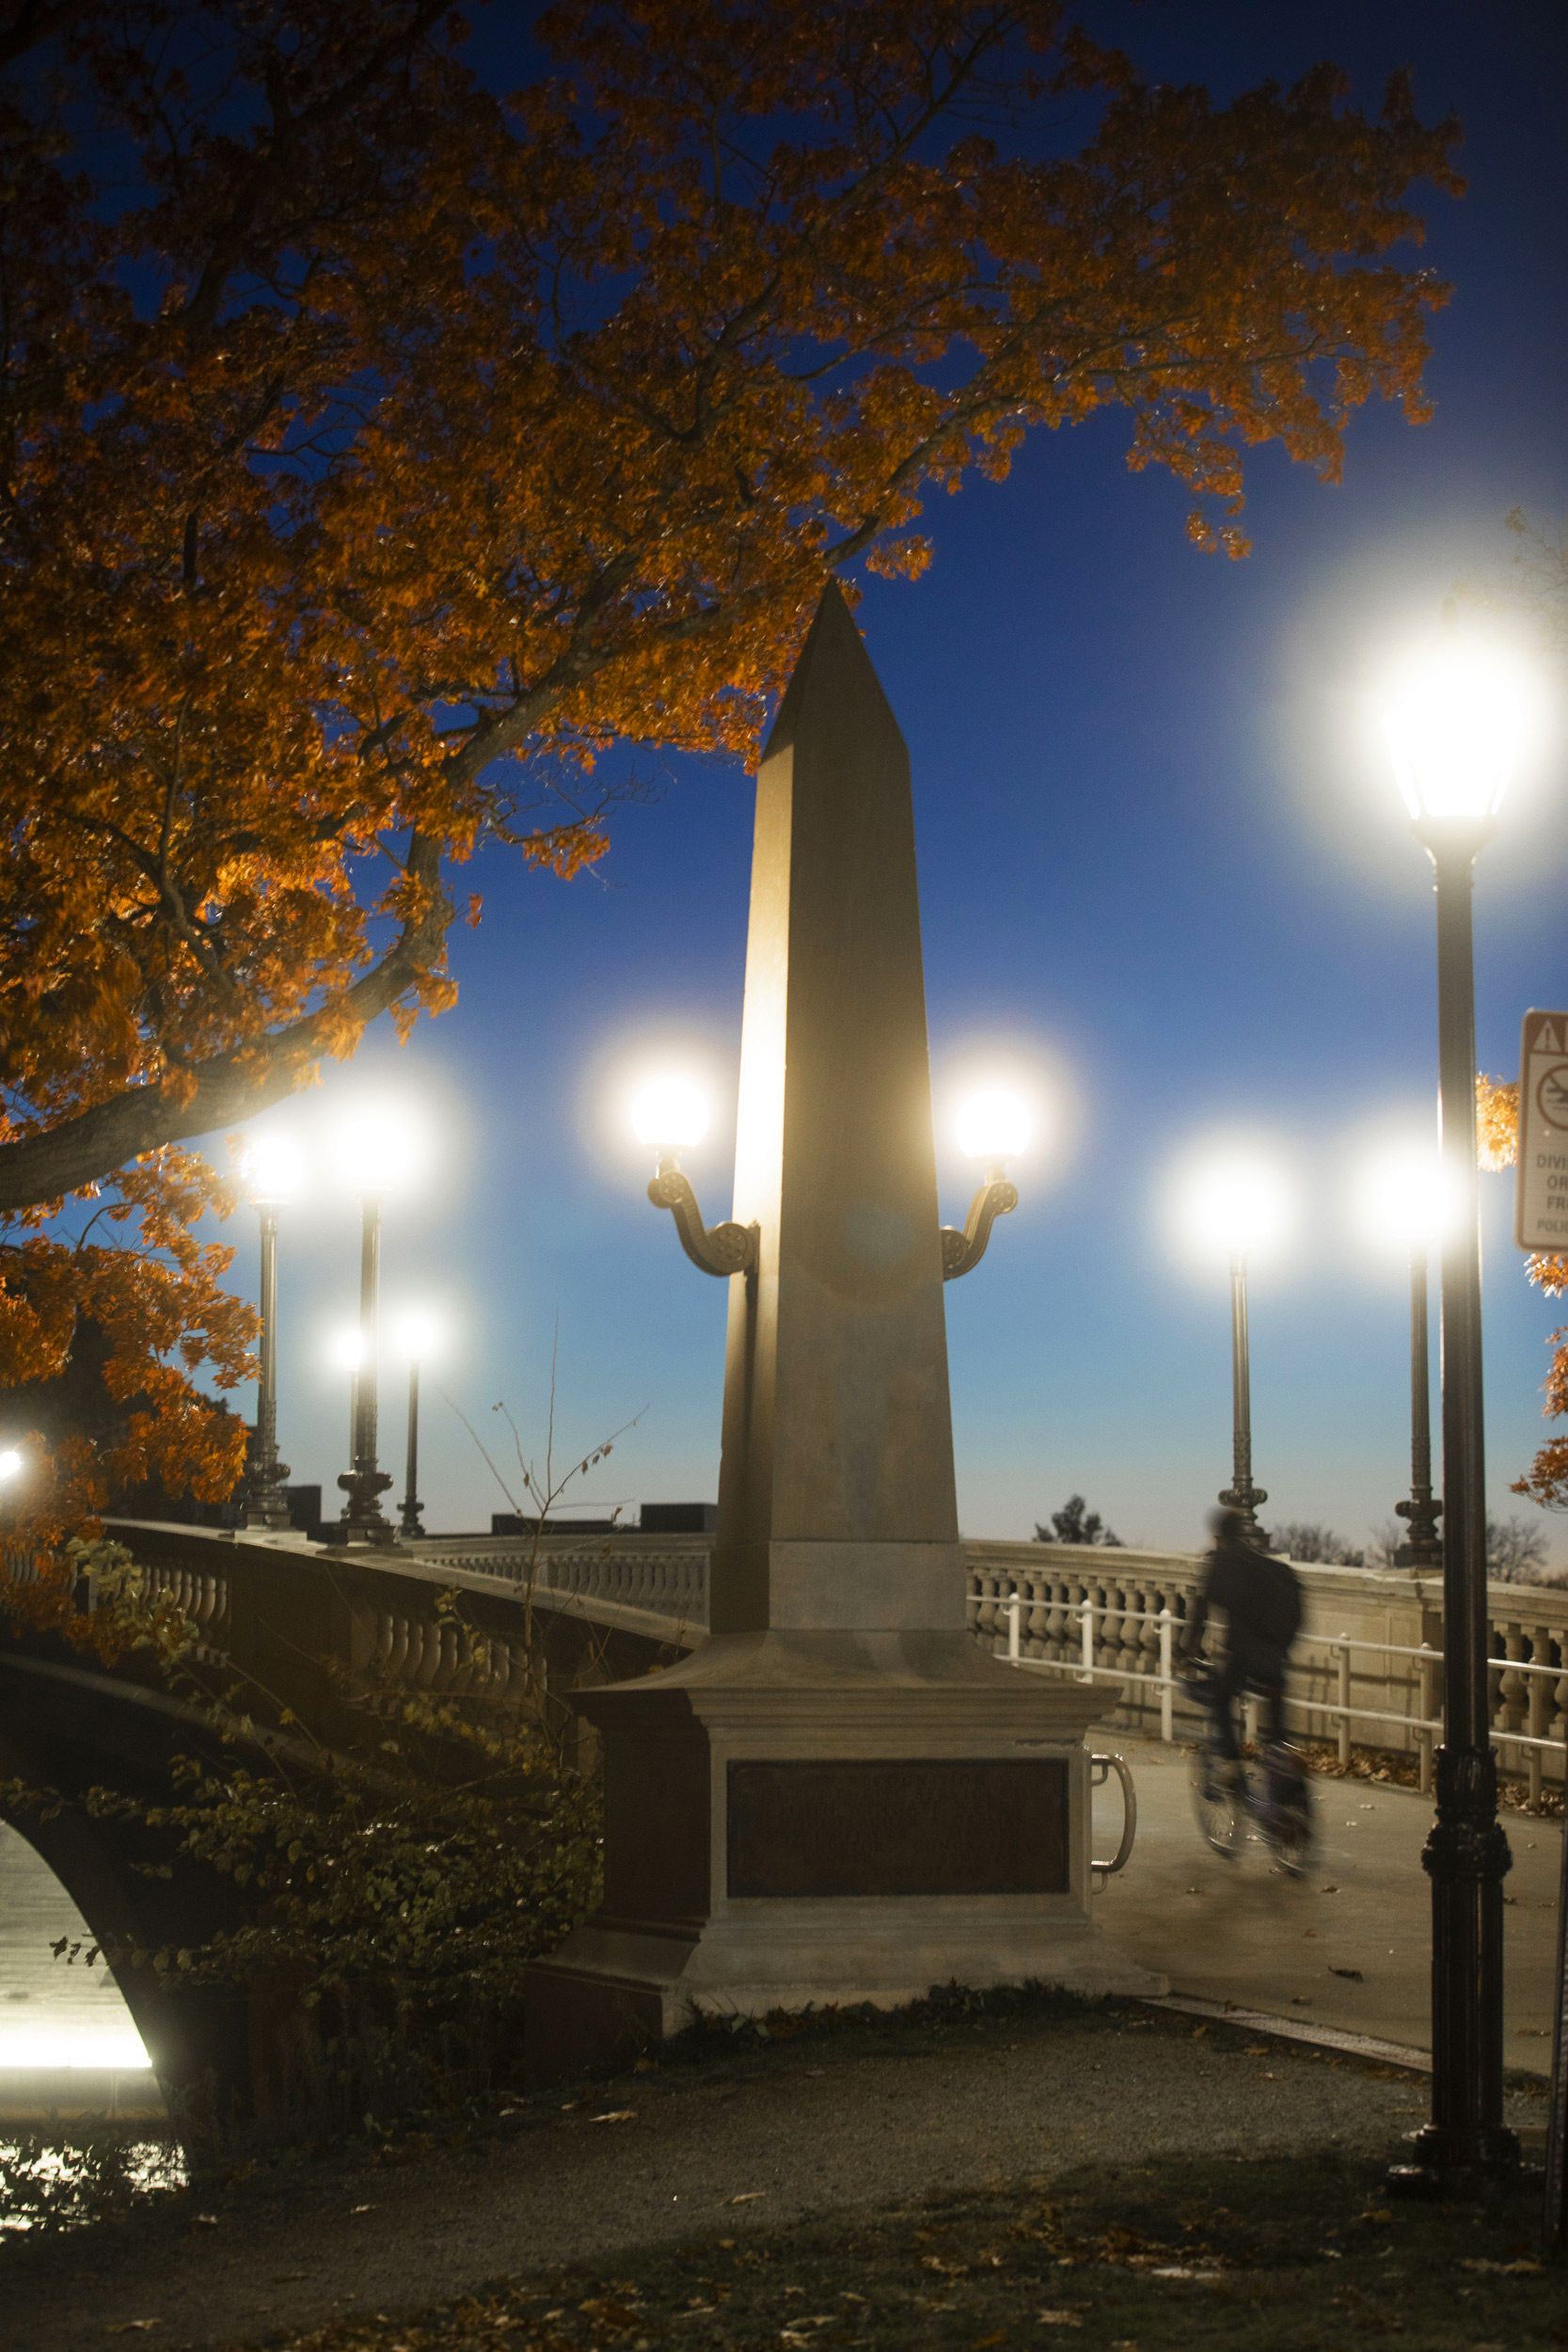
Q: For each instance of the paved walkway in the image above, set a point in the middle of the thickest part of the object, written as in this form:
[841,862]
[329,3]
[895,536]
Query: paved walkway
[1242,1931]
[743,2141]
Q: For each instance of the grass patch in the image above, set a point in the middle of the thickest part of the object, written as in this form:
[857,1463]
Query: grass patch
[1302,2255]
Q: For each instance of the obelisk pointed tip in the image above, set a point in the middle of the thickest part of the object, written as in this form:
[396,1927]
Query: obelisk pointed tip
[835,648]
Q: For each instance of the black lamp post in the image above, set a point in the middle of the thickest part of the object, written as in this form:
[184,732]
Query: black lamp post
[1239,1206]
[1453,745]
[1241,1495]
[413,1342]
[272,1170]
[1423,1509]
[373,1158]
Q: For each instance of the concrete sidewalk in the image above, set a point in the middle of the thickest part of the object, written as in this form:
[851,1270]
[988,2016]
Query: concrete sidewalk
[1243,1932]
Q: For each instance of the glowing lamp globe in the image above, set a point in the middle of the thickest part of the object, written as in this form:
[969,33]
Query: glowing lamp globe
[10,1464]
[373,1152]
[1407,1200]
[668,1113]
[993,1126]
[1455,720]
[414,1338]
[1239,1208]
[347,1351]
[271,1169]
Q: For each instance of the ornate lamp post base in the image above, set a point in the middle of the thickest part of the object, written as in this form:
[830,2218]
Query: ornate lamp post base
[1463,2151]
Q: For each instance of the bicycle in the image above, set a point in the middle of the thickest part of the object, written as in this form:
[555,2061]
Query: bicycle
[1227,1798]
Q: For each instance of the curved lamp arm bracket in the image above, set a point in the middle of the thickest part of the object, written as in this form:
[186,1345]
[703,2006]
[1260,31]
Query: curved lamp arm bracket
[721,1250]
[961,1252]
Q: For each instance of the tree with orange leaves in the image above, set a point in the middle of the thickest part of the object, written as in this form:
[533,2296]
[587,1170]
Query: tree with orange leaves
[376,453]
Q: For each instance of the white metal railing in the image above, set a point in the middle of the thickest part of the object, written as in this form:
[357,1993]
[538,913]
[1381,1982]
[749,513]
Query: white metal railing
[1544,1686]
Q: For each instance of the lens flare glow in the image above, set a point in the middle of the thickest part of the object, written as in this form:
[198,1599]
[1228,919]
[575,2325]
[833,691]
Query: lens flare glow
[414,1337]
[10,1464]
[1238,1205]
[993,1126]
[667,1112]
[116,2050]
[1456,718]
[1405,1197]
[271,1168]
[347,1350]
[373,1152]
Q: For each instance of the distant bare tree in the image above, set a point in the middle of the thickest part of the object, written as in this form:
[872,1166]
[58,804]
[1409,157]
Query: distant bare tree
[1516,1554]
[1309,1539]
[1385,1542]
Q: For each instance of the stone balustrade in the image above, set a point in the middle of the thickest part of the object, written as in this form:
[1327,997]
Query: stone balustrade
[1360,1649]
[660,1578]
[1367,1672]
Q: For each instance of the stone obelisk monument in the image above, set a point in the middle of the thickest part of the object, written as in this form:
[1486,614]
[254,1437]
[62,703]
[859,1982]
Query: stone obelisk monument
[838,1797]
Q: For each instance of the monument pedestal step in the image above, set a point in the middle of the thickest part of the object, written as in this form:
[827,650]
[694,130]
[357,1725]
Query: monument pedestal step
[799,1820]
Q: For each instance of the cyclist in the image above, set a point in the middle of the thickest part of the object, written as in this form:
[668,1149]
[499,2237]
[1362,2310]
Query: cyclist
[1261,1600]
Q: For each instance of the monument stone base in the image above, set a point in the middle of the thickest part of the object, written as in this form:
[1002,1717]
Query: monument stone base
[799,1818]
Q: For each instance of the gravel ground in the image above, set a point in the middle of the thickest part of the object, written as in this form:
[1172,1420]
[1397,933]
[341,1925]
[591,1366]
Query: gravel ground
[749,2140]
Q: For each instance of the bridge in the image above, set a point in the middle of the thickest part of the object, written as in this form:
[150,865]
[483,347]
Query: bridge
[324,1633]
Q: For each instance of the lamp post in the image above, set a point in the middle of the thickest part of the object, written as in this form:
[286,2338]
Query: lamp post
[372,1158]
[346,1353]
[1453,739]
[1411,1209]
[413,1340]
[271,1169]
[1424,1510]
[1239,1207]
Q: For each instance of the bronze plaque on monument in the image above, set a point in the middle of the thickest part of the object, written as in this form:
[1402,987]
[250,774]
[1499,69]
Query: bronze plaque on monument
[991,1827]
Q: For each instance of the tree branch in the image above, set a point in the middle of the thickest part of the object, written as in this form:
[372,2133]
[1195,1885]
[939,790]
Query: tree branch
[40,1168]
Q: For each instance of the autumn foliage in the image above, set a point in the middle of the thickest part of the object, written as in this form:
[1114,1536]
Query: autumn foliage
[378,453]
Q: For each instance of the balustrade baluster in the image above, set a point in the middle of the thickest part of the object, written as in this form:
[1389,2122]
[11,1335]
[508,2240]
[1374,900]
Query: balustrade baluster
[1057,1626]
[1107,1648]
[1538,1711]
[1036,1627]
[1512,1688]
[989,1586]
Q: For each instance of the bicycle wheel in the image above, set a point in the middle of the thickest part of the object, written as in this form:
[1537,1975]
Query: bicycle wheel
[1217,1805]
[1288,1821]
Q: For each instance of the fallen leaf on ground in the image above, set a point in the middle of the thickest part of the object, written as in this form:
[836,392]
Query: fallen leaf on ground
[748,2197]
[124,2327]
[615,2115]
[1058,2319]
[1355,1974]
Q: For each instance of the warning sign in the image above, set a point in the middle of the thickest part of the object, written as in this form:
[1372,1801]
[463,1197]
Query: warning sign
[1541,1198]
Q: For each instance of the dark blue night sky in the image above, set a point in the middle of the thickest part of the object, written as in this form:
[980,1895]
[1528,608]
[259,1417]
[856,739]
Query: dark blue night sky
[1161,876]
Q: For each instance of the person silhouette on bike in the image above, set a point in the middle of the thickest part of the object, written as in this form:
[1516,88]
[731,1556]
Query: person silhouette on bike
[1261,1600]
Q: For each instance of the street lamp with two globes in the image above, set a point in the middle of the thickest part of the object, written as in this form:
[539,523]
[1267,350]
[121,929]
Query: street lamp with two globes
[670,1113]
